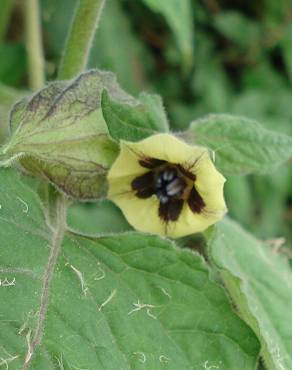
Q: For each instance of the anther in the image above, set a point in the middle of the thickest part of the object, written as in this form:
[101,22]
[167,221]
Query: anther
[175,187]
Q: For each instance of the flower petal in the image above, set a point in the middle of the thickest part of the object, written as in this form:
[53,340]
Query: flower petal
[166,147]
[144,213]
[209,184]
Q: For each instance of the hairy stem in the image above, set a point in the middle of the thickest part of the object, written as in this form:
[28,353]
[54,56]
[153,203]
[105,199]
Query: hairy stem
[57,237]
[78,44]
[34,44]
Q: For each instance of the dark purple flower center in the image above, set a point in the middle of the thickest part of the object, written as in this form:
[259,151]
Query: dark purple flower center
[172,184]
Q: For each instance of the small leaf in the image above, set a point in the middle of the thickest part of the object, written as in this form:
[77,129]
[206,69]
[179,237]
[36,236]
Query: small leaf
[259,282]
[126,301]
[241,145]
[59,134]
[134,121]
[178,14]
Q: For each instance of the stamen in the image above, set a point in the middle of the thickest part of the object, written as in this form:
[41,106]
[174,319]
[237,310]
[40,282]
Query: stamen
[162,196]
[168,174]
[175,187]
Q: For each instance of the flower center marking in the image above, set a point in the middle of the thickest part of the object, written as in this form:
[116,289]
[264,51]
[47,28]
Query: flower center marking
[172,184]
[169,184]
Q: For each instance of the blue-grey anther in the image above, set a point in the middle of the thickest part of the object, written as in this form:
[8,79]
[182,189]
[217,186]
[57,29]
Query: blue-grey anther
[169,184]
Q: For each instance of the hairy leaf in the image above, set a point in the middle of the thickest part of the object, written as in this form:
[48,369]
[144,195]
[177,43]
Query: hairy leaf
[60,134]
[241,145]
[134,121]
[260,282]
[126,301]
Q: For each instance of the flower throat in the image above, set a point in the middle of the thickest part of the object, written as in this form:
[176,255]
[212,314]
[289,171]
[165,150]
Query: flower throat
[171,184]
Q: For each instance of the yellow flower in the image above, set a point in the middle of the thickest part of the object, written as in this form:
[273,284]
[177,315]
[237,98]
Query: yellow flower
[166,186]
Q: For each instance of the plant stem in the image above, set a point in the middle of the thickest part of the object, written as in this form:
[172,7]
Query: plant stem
[34,44]
[6,9]
[80,37]
[56,243]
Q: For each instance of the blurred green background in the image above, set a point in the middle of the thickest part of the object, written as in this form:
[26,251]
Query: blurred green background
[208,56]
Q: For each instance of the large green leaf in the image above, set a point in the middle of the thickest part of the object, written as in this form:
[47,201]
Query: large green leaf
[178,14]
[128,301]
[241,145]
[260,283]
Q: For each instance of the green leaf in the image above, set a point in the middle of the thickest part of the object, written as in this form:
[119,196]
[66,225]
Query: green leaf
[259,282]
[134,121]
[241,145]
[97,218]
[178,14]
[127,301]
[59,134]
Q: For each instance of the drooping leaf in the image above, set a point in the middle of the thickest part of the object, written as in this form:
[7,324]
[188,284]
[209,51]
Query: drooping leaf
[126,301]
[60,134]
[260,283]
[178,14]
[241,145]
[134,121]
